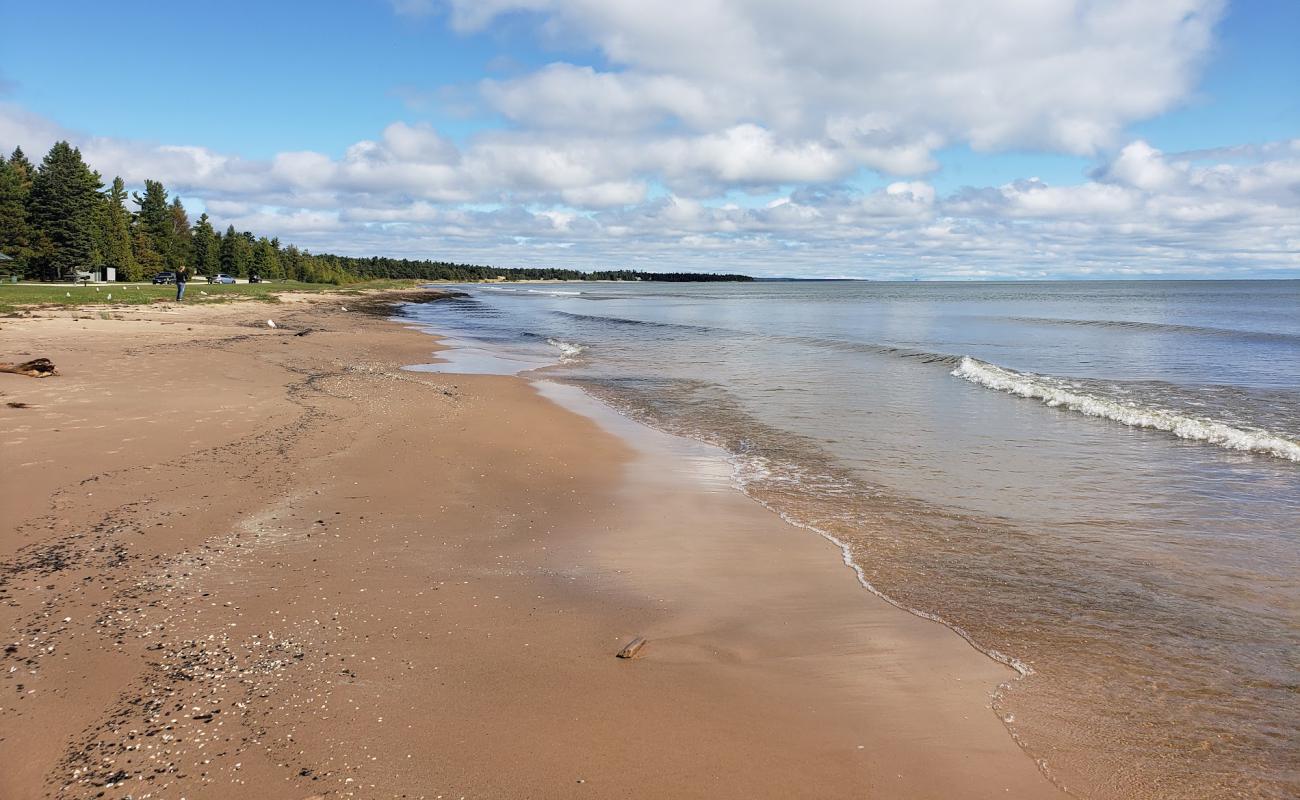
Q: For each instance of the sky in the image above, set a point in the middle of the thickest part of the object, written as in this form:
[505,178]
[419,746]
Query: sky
[934,139]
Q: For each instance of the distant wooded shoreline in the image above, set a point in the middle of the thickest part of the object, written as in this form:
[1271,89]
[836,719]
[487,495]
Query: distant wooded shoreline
[57,220]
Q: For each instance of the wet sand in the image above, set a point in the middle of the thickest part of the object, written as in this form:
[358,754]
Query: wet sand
[239,562]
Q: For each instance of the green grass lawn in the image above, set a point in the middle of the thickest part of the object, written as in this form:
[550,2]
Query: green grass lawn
[13,297]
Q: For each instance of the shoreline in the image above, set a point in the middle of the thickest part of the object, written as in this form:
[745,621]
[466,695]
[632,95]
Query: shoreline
[312,572]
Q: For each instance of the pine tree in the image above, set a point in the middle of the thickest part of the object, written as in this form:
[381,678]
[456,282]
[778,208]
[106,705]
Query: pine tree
[148,260]
[16,235]
[291,261]
[207,254]
[243,254]
[266,261]
[228,246]
[24,167]
[236,252]
[98,231]
[64,201]
[153,226]
[117,234]
[181,251]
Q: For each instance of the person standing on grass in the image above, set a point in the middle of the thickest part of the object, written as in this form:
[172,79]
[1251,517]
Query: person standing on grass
[182,275]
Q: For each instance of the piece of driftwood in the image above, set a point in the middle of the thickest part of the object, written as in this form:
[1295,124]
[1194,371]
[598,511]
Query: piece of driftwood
[36,368]
[632,648]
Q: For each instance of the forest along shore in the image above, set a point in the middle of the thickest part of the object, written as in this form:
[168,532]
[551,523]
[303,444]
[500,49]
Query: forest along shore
[237,559]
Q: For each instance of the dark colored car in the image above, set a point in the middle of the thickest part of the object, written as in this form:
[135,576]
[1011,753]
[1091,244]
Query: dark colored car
[221,278]
[165,277]
[254,278]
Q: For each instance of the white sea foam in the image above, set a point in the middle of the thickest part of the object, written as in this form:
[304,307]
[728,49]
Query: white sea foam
[568,350]
[1057,394]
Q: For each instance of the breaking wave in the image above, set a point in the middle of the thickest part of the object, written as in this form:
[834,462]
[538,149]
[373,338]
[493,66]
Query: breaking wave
[1060,394]
[569,351]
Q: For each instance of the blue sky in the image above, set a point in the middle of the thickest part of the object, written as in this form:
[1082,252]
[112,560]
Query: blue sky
[877,140]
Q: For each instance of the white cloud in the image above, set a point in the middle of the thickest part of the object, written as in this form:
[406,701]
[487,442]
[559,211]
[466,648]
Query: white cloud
[605,195]
[565,97]
[1142,166]
[568,201]
[1058,75]
[647,159]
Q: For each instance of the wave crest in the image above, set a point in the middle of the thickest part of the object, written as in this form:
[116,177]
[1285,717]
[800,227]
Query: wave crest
[1058,395]
[568,350]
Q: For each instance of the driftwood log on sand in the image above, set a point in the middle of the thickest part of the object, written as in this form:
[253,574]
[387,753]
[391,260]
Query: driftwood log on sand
[36,368]
[632,648]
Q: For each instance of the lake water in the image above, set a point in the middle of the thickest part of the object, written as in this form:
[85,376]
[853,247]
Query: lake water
[1097,483]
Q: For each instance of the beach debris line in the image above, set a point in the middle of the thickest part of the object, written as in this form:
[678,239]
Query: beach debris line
[633,648]
[36,368]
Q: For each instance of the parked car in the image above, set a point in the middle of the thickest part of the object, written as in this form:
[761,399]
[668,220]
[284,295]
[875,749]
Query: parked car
[254,278]
[165,277]
[221,278]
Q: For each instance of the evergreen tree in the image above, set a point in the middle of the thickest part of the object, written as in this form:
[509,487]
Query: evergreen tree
[243,254]
[17,239]
[64,201]
[147,258]
[291,263]
[98,231]
[227,255]
[153,226]
[181,251]
[23,167]
[207,254]
[117,234]
[236,253]
[266,261]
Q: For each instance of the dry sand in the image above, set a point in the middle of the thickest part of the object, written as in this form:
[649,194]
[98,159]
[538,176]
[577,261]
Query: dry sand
[237,562]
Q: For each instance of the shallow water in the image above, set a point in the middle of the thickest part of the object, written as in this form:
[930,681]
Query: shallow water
[1098,483]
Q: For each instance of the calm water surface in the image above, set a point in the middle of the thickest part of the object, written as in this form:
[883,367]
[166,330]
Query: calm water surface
[1098,483]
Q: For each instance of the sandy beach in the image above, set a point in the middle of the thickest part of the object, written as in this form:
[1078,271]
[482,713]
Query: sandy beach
[236,561]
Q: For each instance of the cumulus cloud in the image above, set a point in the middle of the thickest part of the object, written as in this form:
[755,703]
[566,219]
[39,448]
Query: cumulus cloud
[1063,75]
[509,200]
[654,156]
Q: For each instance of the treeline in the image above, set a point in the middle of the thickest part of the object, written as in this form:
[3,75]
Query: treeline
[375,267]
[672,277]
[58,218]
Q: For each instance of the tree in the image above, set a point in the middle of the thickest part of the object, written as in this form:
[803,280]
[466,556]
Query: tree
[153,226]
[227,254]
[243,254]
[64,201]
[236,253]
[181,251]
[291,263]
[207,254]
[266,259]
[23,167]
[147,258]
[116,247]
[17,239]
